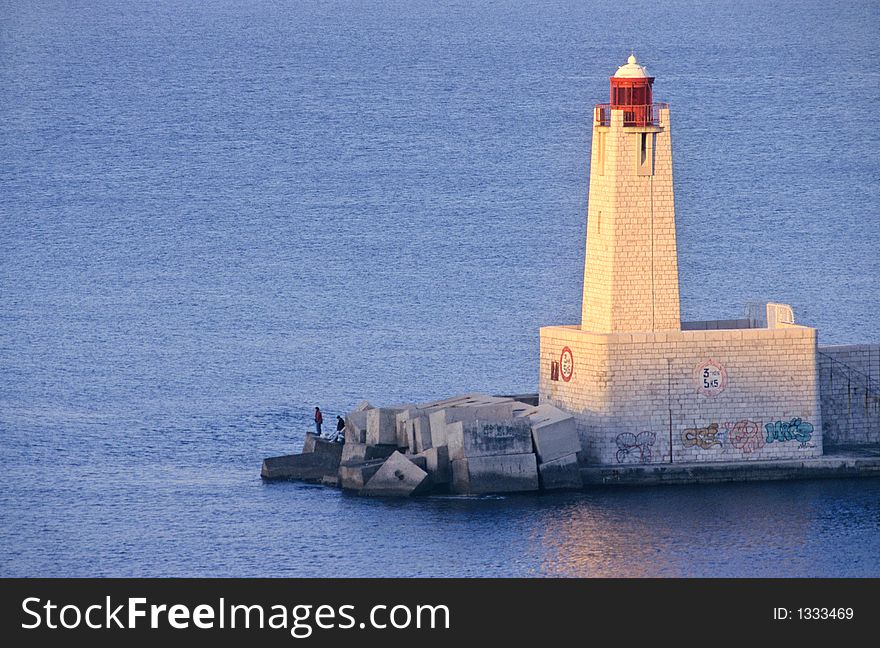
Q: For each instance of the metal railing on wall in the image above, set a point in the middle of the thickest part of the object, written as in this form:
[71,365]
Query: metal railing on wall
[869,386]
[644,115]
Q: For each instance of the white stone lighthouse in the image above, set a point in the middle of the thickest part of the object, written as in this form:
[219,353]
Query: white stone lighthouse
[644,386]
[631,273]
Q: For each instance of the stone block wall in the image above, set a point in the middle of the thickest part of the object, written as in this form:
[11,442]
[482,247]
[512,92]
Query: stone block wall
[849,383]
[699,395]
[631,269]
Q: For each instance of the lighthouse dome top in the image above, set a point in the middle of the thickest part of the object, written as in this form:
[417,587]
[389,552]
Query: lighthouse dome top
[632,69]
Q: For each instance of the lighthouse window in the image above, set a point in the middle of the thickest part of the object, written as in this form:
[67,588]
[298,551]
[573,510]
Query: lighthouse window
[600,153]
[645,155]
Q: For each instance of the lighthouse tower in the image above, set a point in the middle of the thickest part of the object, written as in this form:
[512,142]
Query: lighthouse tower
[631,270]
[643,386]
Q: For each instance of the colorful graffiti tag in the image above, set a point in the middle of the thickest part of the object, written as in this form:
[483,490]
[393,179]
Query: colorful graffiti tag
[793,430]
[745,435]
[704,438]
[635,448]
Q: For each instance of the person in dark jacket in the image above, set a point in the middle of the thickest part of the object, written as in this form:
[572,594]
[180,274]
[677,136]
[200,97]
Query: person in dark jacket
[340,424]
[319,420]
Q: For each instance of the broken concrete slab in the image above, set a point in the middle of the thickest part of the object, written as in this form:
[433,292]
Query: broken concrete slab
[500,474]
[554,432]
[561,473]
[353,453]
[398,477]
[363,406]
[488,438]
[307,467]
[356,426]
[355,476]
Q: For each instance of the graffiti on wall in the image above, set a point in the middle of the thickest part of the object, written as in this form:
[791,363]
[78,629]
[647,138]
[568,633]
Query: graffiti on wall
[705,438]
[791,430]
[635,448]
[745,435]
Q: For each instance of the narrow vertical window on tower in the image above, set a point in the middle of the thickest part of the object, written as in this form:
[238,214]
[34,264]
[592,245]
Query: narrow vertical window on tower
[645,154]
[600,153]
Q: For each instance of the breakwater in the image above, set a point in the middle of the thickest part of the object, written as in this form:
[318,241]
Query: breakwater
[469,445]
[478,444]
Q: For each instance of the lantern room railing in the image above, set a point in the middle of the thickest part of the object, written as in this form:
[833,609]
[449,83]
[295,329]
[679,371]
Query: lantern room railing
[646,115]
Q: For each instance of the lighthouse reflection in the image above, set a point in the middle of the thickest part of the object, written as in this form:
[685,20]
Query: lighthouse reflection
[721,530]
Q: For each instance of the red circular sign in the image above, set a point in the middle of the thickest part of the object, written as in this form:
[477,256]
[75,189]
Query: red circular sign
[711,377]
[566,364]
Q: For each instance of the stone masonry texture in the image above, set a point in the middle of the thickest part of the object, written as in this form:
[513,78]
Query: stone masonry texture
[849,380]
[641,389]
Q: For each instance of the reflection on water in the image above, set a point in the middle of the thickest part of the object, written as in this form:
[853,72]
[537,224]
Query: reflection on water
[774,528]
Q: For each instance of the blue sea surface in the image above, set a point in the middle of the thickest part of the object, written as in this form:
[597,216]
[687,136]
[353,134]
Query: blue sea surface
[216,215]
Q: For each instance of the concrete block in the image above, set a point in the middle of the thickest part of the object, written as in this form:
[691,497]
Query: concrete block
[526,399]
[309,443]
[419,433]
[363,406]
[561,473]
[382,426]
[354,453]
[488,438]
[419,460]
[403,440]
[472,410]
[398,477]
[454,400]
[356,427]
[437,464]
[502,474]
[402,413]
[354,476]
[329,450]
[520,409]
[307,467]
[554,432]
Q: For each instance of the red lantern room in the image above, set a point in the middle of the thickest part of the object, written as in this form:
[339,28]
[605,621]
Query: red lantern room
[631,92]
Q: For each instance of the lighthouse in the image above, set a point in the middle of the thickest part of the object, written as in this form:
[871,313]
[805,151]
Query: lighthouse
[644,386]
[631,269]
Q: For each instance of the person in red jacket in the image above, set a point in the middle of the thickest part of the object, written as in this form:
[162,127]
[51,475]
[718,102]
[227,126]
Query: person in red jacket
[319,419]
